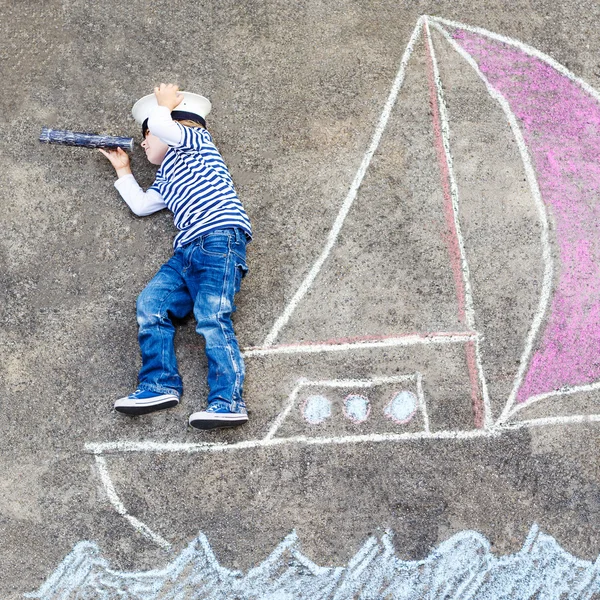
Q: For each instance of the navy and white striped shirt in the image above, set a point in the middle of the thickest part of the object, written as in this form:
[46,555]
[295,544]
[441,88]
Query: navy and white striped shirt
[193,182]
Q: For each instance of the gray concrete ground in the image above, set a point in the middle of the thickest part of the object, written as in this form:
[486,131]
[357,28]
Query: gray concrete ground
[297,91]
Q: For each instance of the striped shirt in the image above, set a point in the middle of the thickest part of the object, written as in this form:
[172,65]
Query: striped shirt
[193,182]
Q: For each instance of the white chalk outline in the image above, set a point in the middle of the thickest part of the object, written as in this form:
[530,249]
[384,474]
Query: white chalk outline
[99,450]
[118,505]
[549,421]
[464,265]
[103,448]
[422,403]
[107,448]
[405,340]
[565,391]
[352,193]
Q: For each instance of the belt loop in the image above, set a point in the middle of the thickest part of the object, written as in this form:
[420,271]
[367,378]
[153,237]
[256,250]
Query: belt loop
[238,235]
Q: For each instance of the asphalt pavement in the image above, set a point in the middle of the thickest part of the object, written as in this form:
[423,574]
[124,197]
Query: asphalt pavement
[404,285]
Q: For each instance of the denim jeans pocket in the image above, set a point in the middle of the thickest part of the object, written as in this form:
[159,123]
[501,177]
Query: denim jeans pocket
[237,245]
[215,244]
[240,272]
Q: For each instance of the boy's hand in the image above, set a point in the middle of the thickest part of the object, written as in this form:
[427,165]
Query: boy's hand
[119,159]
[167,94]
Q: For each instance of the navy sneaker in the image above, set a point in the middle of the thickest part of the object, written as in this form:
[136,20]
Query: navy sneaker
[142,402]
[219,415]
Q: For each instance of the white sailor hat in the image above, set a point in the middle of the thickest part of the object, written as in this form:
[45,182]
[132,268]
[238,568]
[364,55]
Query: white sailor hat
[193,107]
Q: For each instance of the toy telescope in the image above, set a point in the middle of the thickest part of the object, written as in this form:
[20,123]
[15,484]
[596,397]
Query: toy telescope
[86,140]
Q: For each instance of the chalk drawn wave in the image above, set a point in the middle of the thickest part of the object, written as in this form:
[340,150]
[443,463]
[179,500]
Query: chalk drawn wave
[462,567]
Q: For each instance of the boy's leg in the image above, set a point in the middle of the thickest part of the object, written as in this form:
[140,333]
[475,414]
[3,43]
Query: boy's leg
[218,265]
[160,385]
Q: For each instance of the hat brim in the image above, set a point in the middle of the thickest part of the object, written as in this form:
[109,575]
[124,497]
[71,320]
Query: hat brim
[193,103]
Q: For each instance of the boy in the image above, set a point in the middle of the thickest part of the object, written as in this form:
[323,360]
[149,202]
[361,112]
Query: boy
[208,263]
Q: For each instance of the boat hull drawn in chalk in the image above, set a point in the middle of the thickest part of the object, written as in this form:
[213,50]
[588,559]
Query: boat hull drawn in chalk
[472,370]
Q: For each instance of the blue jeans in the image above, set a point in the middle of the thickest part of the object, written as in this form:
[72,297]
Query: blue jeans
[202,276]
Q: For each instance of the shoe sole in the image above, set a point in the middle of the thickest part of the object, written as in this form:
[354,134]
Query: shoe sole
[143,409]
[207,421]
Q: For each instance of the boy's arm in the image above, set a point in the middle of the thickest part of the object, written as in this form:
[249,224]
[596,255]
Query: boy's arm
[140,202]
[162,126]
[160,123]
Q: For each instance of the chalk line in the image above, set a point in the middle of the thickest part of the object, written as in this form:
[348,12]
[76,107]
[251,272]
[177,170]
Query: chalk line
[352,193]
[422,403]
[549,421]
[101,448]
[566,391]
[464,293]
[169,447]
[525,48]
[406,340]
[120,507]
[360,383]
[281,417]
[449,187]
[541,207]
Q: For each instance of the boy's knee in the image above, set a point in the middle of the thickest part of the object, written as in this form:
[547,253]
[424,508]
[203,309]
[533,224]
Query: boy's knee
[216,328]
[147,309]
[212,309]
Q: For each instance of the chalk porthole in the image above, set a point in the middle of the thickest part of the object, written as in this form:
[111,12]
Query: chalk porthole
[402,407]
[316,409]
[357,408]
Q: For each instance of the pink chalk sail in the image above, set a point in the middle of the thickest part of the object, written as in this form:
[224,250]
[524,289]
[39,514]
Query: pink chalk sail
[560,122]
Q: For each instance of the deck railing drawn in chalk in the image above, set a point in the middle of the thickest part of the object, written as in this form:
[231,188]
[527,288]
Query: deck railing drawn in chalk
[554,119]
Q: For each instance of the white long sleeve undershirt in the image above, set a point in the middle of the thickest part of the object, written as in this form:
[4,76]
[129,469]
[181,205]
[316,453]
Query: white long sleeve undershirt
[162,126]
[140,202]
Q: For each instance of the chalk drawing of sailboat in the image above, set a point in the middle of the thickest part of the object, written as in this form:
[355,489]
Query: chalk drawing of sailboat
[465,375]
